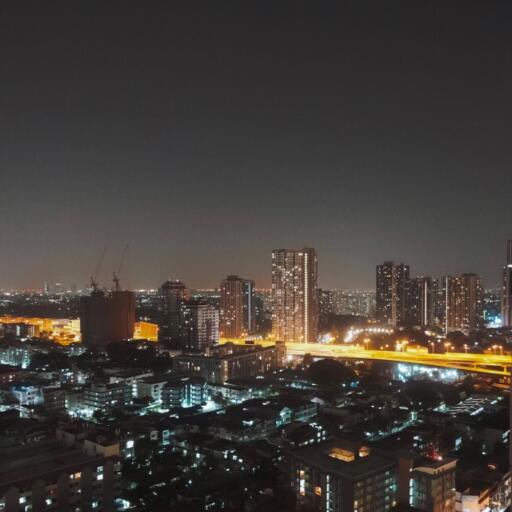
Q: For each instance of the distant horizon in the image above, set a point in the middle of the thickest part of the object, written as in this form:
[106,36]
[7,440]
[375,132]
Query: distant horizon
[104,277]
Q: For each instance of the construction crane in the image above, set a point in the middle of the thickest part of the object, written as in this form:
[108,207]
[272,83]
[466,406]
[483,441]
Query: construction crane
[94,277]
[117,285]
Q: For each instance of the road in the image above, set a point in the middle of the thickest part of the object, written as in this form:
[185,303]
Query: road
[499,365]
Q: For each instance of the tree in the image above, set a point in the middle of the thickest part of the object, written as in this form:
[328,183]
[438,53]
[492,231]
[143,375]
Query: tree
[329,372]
[128,353]
[423,394]
[307,360]
[49,362]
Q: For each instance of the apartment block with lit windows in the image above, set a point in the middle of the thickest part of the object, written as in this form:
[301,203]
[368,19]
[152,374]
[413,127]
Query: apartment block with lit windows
[48,475]
[172,295]
[200,329]
[237,307]
[506,293]
[462,303]
[341,476]
[294,295]
[432,485]
[392,292]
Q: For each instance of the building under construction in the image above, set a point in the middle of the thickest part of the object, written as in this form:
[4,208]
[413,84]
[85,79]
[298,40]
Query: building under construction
[107,316]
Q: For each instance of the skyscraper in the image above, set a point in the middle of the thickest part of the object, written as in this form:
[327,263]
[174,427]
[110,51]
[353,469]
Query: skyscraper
[402,292]
[386,293]
[421,303]
[506,294]
[237,307]
[392,289]
[173,294]
[462,303]
[200,326]
[294,295]
[249,305]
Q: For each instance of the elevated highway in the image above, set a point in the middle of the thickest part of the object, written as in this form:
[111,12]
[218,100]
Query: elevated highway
[491,364]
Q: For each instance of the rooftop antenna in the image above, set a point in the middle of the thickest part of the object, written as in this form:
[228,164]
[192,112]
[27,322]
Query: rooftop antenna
[117,285]
[94,277]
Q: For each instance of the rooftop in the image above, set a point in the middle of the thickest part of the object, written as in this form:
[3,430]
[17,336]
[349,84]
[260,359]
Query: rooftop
[347,459]
[23,463]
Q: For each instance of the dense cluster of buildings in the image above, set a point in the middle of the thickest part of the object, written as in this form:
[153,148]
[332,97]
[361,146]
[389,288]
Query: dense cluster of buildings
[196,422]
[455,303]
[242,427]
[195,320]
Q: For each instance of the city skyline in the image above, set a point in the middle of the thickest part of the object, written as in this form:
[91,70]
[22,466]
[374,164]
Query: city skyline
[256,256]
[205,140]
[106,281]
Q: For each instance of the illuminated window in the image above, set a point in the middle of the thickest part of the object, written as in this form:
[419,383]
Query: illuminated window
[342,454]
[364,451]
[318,490]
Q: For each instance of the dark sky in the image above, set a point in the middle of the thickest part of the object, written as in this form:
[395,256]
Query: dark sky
[204,134]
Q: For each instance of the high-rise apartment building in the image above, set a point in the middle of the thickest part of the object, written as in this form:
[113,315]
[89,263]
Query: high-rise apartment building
[414,309]
[386,293]
[294,295]
[506,294]
[402,292]
[392,290]
[172,295]
[200,328]
[421,302]
[462,303]
[237,307]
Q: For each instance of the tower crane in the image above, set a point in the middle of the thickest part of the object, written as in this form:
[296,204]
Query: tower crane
[116,279]
[94,277]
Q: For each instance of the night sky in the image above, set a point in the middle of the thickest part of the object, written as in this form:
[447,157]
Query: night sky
[205,134]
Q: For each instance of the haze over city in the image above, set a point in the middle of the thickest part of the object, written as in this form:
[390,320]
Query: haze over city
[204,138]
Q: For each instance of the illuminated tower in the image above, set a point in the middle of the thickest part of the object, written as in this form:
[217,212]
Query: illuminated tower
[463,303]
[200,327]
[237,307]
[173,293]
[294,295]
[392,292]
[386,293]
[402,292]
[506,293]
[421,304]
